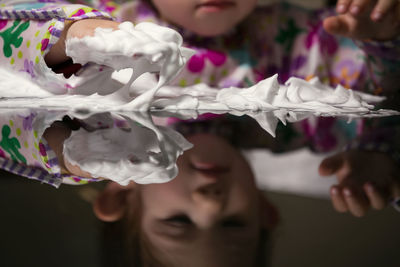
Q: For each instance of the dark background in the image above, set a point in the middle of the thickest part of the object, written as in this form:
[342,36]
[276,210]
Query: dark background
[44,226]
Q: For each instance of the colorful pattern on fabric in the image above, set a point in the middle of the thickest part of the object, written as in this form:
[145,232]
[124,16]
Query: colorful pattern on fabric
[11,36]
[287,40]
[30,172]
[23,152]
[28,31]
[11,145]
[293,42]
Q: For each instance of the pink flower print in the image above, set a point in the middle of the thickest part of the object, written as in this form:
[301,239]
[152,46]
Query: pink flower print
[317,35]
[312,36]
[76,179]
[2,154]
[42,150]
[110,9]
[45,43]
[107,5]
[197,62]
[3,23]
[83,11]
[80,12]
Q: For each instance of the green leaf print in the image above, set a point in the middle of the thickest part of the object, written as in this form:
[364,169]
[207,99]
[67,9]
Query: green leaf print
[11,36]
[287,35]
[11,145]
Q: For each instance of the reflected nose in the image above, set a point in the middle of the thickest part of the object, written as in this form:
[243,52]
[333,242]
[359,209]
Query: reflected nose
[210,185]
[210,198]
[212,190]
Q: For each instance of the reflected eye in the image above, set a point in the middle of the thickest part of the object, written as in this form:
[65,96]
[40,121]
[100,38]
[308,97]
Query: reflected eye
[180,220]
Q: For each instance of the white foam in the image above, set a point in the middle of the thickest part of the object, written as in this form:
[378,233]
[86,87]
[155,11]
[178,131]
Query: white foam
[148,153]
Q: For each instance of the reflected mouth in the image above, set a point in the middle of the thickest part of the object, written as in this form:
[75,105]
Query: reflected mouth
[215,5]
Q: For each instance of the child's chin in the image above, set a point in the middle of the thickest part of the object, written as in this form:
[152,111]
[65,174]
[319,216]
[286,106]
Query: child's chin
[211,31]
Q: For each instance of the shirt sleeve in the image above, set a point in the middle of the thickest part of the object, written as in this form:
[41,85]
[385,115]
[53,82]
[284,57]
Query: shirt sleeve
[27,32]
[23,151]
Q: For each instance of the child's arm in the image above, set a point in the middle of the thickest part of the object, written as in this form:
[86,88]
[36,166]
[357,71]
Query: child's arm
[365,178]
[28,31]
[375,68]
[375,28]
[32,36]
[24,151]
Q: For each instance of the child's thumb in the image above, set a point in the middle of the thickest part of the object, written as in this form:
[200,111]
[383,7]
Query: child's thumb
[336,25]
[331,165]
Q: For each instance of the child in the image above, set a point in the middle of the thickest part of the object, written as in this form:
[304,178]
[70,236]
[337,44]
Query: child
[234,48]
[239,45]
[211,214]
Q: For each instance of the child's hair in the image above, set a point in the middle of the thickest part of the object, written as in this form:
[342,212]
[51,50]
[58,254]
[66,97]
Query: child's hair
[124,244]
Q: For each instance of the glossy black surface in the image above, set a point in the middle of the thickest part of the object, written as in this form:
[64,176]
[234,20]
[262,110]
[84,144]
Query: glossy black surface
[44,226]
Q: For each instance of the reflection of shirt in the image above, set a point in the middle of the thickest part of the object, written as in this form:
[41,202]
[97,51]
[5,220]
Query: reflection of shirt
[279,39]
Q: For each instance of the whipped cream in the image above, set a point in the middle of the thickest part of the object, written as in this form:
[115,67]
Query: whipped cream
[150,154]
[139,152]
[146,47]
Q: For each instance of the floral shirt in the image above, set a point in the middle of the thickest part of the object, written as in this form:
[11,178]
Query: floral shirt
[280,38]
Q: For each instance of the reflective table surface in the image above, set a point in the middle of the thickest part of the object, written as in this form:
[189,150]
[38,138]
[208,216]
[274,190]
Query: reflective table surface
[240,196]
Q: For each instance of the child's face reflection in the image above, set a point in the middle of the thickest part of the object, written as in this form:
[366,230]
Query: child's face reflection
[210,211]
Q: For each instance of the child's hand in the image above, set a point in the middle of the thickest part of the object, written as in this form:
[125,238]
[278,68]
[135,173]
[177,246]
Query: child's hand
[79,29]
[366,19]
[365,179]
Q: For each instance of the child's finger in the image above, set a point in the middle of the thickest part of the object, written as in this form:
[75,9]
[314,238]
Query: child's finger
[382,8]
[337,25]
[338,202]
[356,206]
[358,6]
[76,170]
[330,165]
[342,6]
[375,198]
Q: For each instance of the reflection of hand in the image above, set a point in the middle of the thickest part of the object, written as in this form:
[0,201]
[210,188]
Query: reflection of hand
[366,19]
[365,179]
[55,136]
